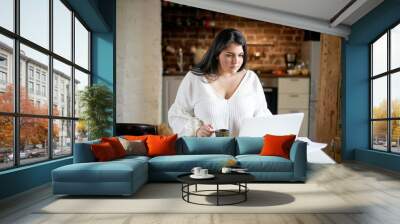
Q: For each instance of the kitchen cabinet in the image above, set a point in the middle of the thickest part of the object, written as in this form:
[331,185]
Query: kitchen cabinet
[293,97]
[170,88]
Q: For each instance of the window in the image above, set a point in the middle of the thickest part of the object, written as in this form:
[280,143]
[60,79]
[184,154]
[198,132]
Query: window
[3,61]
[34,21]
[30,87]
[3,72]
[7,14]
[30,72]
[3,78]
[43,90]
[385,94]
[55,126]
[81,45]
[38,74]
[38,89]
[6,73]
[62,74]
[62,29]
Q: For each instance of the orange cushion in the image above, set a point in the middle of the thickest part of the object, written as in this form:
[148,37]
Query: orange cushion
[277,145]
[103,151]
[161,145]
[116,145]
[134,137]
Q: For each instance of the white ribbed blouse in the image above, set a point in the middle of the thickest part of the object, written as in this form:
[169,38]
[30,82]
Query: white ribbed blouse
[197,101]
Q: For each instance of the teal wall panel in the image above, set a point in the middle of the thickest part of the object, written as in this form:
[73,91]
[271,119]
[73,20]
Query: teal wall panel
[356,86]
[24,178]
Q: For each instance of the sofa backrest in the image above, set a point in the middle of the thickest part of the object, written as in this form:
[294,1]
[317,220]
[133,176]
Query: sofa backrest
[249,145]
[206,145]
[83,153]
[190,146]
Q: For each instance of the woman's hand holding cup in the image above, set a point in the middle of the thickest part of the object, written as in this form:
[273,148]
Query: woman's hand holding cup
[205,130]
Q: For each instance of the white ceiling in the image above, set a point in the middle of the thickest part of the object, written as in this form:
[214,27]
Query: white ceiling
[321,9]
[315,15]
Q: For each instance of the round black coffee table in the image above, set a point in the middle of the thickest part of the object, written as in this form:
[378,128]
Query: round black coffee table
[238,179]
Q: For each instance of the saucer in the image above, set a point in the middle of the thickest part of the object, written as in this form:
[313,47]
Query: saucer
[208,176]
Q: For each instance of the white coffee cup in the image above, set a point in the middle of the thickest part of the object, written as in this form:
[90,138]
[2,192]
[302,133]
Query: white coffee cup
[196,170]
[203,172]
[226,170]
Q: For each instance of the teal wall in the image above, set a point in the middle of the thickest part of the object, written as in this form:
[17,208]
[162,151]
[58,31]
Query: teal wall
[356,86]
[103,52]
[24,178]
[99,15]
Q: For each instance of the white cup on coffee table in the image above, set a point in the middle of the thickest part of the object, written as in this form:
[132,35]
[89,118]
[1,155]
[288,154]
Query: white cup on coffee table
[226,170]
[203,172]
[196,170]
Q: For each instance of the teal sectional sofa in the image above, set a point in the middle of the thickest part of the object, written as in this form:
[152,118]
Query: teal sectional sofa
[125,176]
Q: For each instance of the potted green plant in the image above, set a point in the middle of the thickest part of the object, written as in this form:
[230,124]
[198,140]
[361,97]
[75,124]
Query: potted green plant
[96,102]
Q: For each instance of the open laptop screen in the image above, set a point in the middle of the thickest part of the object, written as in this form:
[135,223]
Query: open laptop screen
[281,124]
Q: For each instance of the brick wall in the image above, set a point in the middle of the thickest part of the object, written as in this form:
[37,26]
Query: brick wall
[191,28]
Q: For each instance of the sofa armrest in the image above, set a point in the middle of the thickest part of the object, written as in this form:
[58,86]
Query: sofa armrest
[83,152]
[298,155]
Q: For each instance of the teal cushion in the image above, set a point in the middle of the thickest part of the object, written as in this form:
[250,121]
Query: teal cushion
[257,163]
[185,163]
[249,145]
[206,145]
[133,158]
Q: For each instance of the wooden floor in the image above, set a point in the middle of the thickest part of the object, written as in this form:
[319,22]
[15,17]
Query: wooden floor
[377,188]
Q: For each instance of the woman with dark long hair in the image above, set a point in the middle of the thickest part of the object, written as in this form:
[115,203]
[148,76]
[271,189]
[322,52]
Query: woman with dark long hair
[219,92]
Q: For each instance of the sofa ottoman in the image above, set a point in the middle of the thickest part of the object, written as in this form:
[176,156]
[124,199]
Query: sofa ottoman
[119,177]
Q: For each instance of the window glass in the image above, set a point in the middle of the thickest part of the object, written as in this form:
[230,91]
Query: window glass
[379,98]
[62,94]
[81,45]
[34,21]
[379,135]
[6,142]
[395,47]
[395,136]
[379,55]
[39,62]
[395,95]
[62,137]
[6,74]
[33,139]
[81,81]
[7,14]
[62,29]
[81,131]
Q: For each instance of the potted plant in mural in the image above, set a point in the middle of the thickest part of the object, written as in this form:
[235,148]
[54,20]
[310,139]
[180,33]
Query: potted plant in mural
[96,102]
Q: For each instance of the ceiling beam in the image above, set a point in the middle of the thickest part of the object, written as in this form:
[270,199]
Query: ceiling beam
[346,12]
[268,15]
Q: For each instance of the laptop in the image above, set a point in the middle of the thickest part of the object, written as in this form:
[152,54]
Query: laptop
[280,124]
